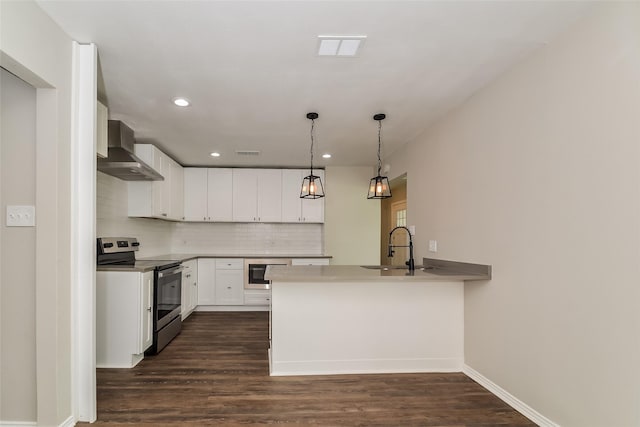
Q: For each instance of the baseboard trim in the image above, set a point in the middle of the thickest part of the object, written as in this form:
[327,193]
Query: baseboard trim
[364,366]
[508,398]
[17,423]
[232,308]
[69,422]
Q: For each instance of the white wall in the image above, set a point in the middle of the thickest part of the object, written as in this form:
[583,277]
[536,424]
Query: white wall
[33,47]
[352,222]
[539,175]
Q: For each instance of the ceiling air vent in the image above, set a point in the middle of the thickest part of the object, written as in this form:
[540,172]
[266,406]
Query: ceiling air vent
[247,152]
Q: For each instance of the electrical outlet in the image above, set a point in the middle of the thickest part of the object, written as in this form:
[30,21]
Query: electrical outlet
[412,230]
[433,246]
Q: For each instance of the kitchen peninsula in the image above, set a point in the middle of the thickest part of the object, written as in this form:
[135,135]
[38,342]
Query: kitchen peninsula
[352,319]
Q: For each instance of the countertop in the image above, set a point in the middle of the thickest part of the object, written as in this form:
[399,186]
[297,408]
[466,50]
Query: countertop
[149,263]
[355,273]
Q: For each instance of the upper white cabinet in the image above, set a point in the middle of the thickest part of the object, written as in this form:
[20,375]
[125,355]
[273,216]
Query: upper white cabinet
[257,195]
[157,199]
[295,209]
[195,194]
[221,194]
[208,194]
[102,139]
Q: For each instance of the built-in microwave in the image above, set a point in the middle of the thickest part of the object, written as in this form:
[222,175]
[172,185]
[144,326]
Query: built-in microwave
[254,270]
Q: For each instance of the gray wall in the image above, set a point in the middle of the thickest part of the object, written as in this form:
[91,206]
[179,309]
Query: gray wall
[17,251]
[538,174]
[33,47]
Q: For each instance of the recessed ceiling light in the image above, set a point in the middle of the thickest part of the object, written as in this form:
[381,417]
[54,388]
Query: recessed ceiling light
[215,154]
[326,155]
[181,102]
[339,45]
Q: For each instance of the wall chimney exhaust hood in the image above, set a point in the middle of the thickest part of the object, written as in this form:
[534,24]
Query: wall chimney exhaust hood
[121,161]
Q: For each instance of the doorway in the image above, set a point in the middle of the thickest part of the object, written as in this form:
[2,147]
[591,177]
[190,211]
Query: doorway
[393,214]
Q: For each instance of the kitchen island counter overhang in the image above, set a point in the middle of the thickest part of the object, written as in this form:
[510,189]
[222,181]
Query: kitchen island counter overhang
[354,320]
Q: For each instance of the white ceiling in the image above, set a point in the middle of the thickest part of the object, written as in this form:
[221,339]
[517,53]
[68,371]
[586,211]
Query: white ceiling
[251,70]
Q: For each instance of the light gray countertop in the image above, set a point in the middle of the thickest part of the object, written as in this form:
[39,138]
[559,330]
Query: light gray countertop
[355,273]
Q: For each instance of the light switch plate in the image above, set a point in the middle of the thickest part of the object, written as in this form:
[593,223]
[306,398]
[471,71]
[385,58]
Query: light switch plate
[433,246]
[21,216]
[412,230]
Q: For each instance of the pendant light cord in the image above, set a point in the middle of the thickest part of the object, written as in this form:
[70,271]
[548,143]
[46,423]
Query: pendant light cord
[379,145]
[312,126]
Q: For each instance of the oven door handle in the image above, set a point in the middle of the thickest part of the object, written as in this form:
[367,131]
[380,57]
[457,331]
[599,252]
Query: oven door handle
[171,271]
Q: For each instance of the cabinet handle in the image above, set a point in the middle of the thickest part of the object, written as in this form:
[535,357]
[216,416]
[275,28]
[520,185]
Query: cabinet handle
[149,309]
[209,218]
[228,287]
[204,218]
[164,214]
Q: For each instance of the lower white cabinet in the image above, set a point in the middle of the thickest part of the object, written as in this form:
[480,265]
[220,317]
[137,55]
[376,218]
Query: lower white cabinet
[310,261]
[206,281]
[229,282]
[257,297]
[124,318]
[189,287]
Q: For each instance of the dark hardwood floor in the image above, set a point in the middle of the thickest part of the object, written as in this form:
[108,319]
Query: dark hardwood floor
[216,373]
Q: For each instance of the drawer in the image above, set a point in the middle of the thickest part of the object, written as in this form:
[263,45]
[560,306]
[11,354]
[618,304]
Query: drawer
[310,261]
[257,297]
[229,264]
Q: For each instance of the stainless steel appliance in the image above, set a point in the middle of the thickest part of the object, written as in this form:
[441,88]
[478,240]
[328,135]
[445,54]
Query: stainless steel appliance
[121,161]
[254,270]
[167,285]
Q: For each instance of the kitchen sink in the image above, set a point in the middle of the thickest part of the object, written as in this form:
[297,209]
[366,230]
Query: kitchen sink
[388,267]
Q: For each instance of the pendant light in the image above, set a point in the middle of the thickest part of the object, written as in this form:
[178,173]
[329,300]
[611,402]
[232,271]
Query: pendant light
[312,185]
[379,186]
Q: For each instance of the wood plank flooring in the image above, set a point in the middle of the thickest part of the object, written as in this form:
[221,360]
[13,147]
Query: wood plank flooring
[216,373]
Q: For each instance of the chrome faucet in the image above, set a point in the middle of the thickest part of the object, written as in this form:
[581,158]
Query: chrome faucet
[411,262]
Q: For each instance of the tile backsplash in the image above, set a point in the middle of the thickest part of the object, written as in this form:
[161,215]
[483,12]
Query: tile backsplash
[236,238]
[159,237]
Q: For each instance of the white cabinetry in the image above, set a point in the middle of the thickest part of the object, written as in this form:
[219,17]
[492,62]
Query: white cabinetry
[206,281]
[157,199]
[295,209]
[229,282]
[257,195]
[310,261]
[189,287]
[124,319]
[257,297]
[208,194]
[102,140]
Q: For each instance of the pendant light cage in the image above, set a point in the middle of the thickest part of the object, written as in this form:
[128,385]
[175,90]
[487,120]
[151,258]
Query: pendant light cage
[312,187]
[379,187]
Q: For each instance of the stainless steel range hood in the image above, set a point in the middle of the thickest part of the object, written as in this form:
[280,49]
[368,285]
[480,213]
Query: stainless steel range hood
[121,161]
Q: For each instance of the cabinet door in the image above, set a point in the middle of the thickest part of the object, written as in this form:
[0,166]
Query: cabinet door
[313,209]
[245,195]
[185,296]
[220,194]
[146,326]
[195,194]
[269,195]
[229,287]
[206,281]
[291,204]
[177,191]
[102,119]
[193,303]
